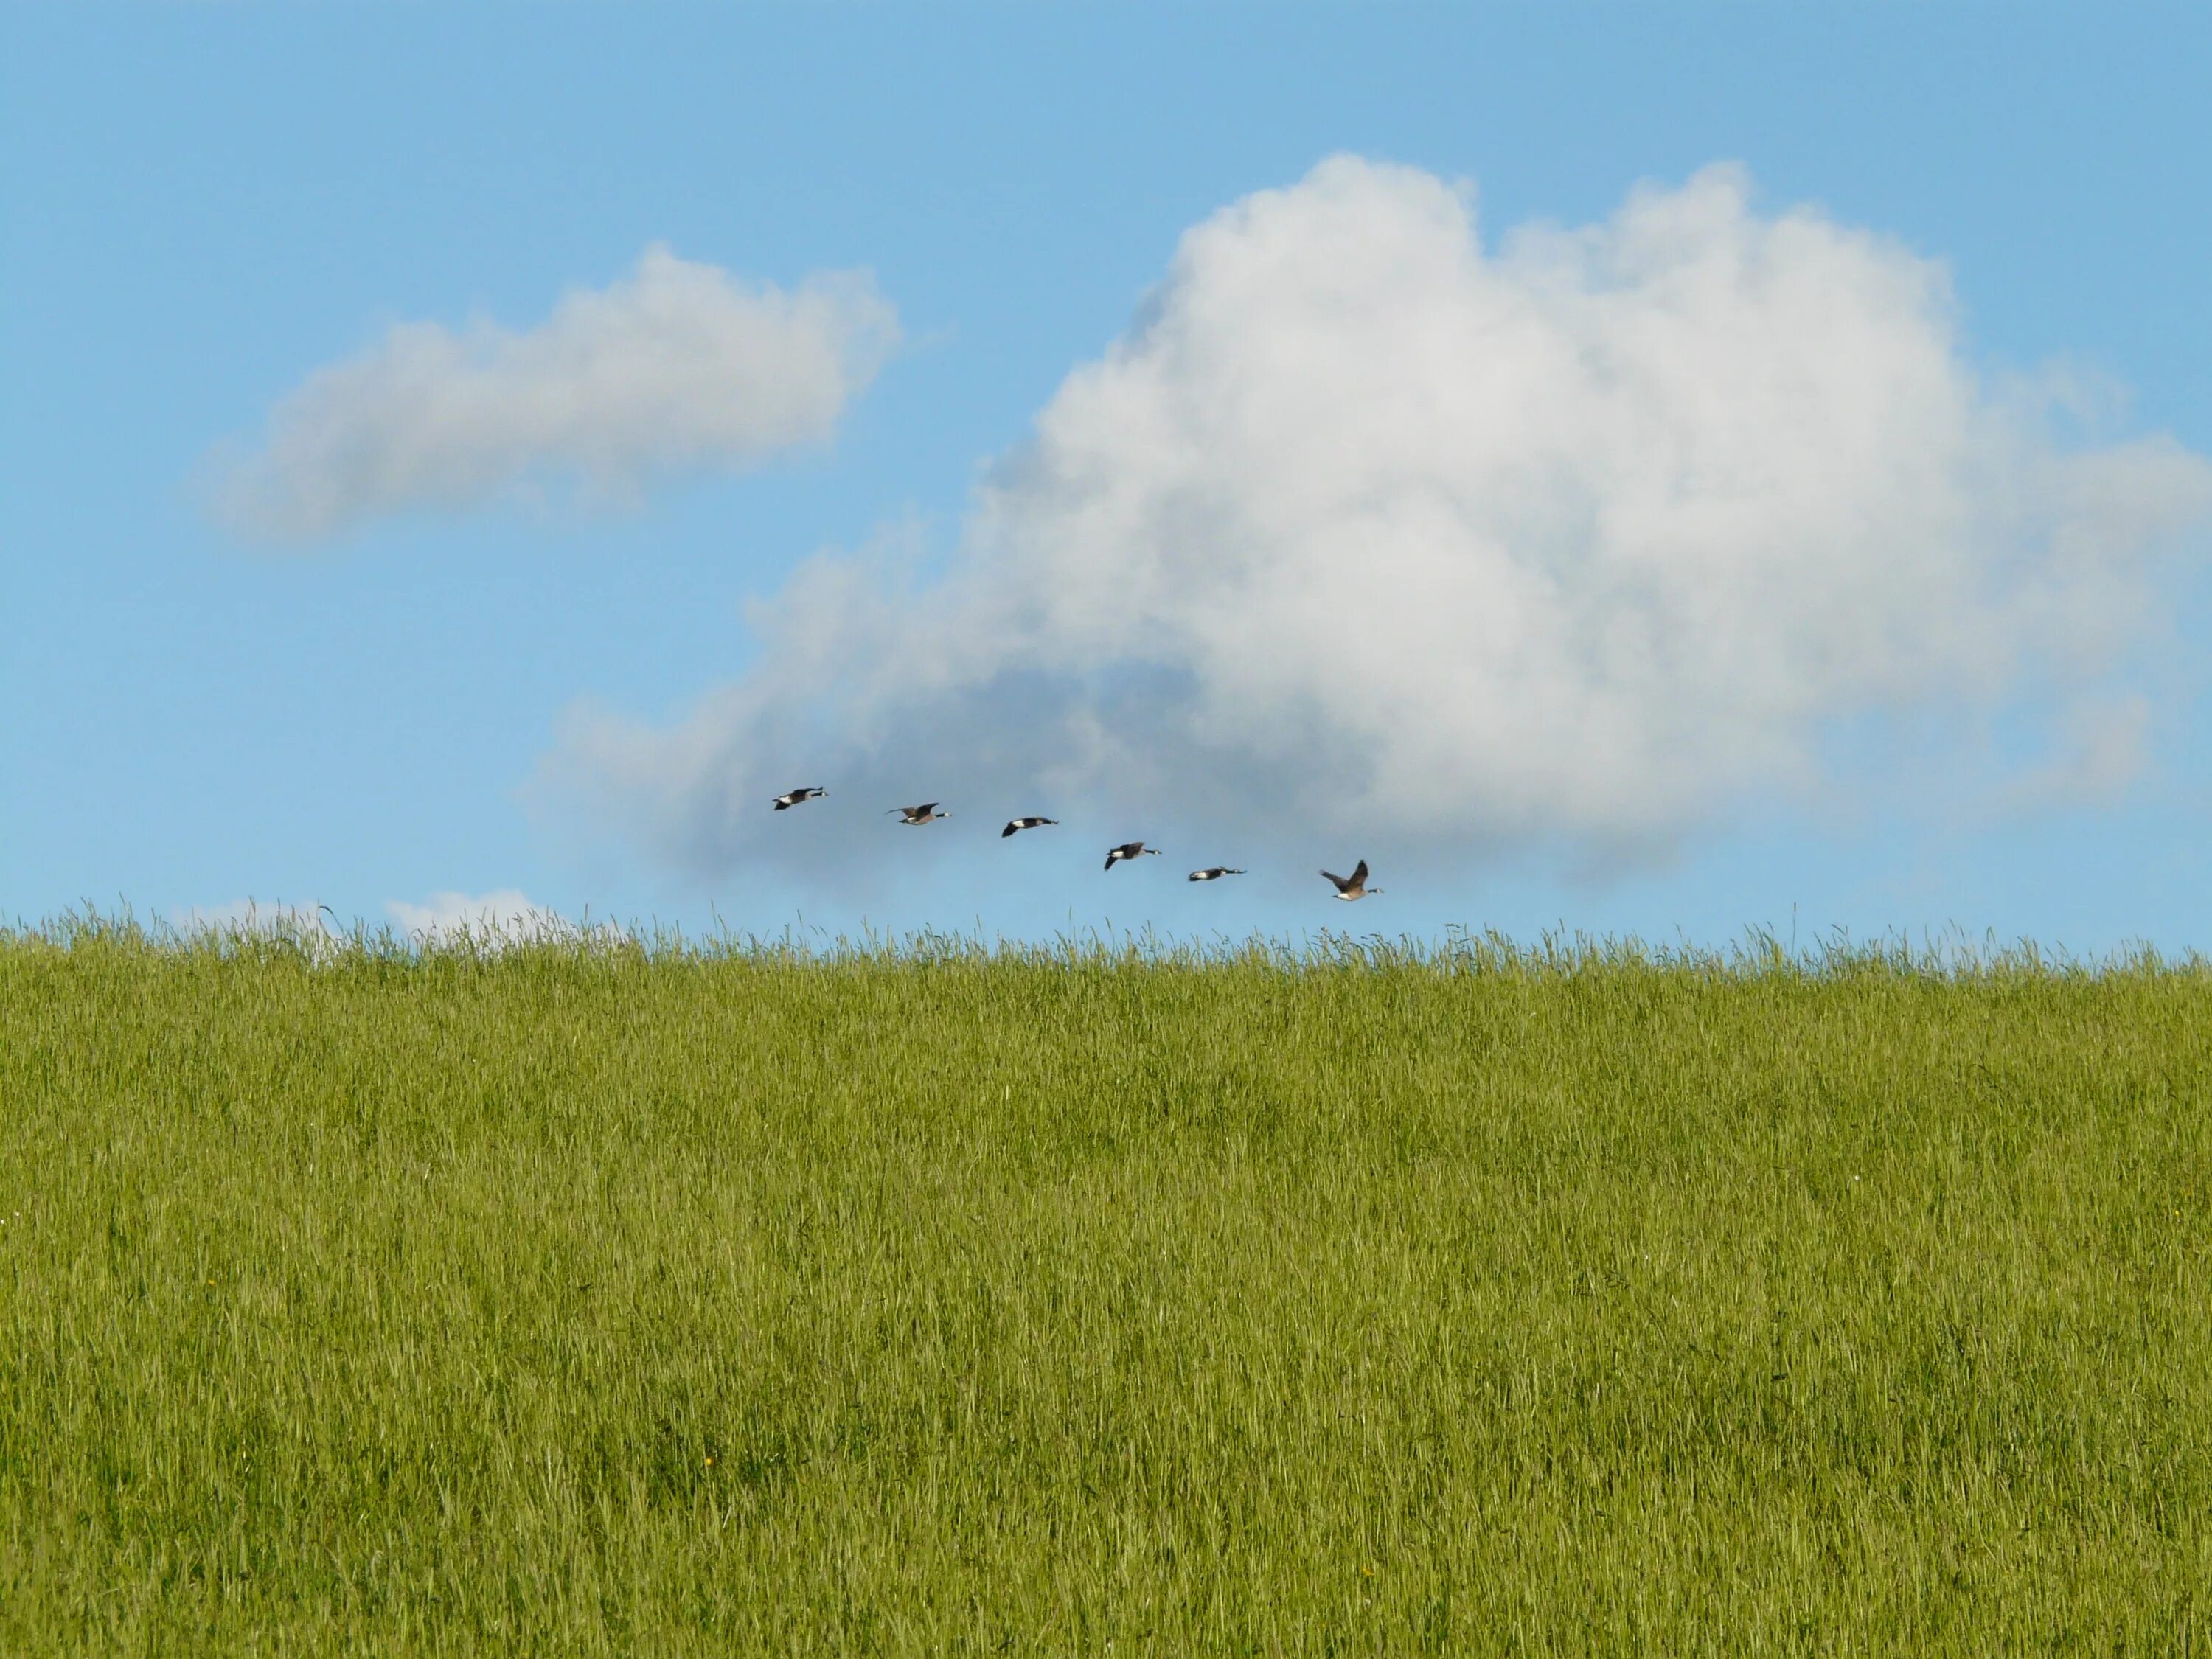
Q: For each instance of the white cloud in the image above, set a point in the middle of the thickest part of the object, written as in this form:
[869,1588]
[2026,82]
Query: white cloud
[250,916]
[678,367]
[497,919]
[1579,542]
[306,923]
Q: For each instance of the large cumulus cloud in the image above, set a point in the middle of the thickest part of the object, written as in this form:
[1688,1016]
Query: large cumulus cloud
[1581,540]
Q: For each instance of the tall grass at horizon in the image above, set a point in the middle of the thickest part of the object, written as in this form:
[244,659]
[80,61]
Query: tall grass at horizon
[607,1296]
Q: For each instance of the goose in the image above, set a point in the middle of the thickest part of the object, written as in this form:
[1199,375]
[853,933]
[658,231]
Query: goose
[1130,849]
[1353,886]
[1214,874]
[925,813]
[792,798]
[1013,824]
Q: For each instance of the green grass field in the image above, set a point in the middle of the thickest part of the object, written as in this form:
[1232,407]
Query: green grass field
[575,1299]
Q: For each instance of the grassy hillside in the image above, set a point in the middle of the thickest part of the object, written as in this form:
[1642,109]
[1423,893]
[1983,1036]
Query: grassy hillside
[606,1300]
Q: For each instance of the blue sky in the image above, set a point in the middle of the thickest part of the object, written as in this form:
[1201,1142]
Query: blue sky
[205,207]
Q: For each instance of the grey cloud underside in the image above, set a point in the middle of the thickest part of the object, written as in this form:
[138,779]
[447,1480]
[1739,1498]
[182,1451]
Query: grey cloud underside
[1580,542]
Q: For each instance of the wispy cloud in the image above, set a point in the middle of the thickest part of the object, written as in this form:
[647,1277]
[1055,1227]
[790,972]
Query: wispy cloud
[492,920]
[2101,746]
[677,367]
[306,924]
[251,915]
[1579,541]
[495,918]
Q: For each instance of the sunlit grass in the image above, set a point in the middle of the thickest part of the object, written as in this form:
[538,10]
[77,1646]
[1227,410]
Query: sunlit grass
[608,1294]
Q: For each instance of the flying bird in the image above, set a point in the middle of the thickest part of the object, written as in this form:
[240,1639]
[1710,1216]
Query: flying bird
[1214,874]
[1013,824]
[1130,849]
[1353,886]
[795,796]
[925,813]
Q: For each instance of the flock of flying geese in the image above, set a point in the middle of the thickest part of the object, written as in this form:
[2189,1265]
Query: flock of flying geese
[1353,886]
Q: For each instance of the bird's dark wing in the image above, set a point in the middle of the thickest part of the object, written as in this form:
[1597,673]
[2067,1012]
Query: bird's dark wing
[1341,884]
[780,803]
[1359,873]
[1010,829]
[1113,857]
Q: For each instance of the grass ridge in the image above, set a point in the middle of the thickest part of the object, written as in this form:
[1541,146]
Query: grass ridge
[620,1292]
